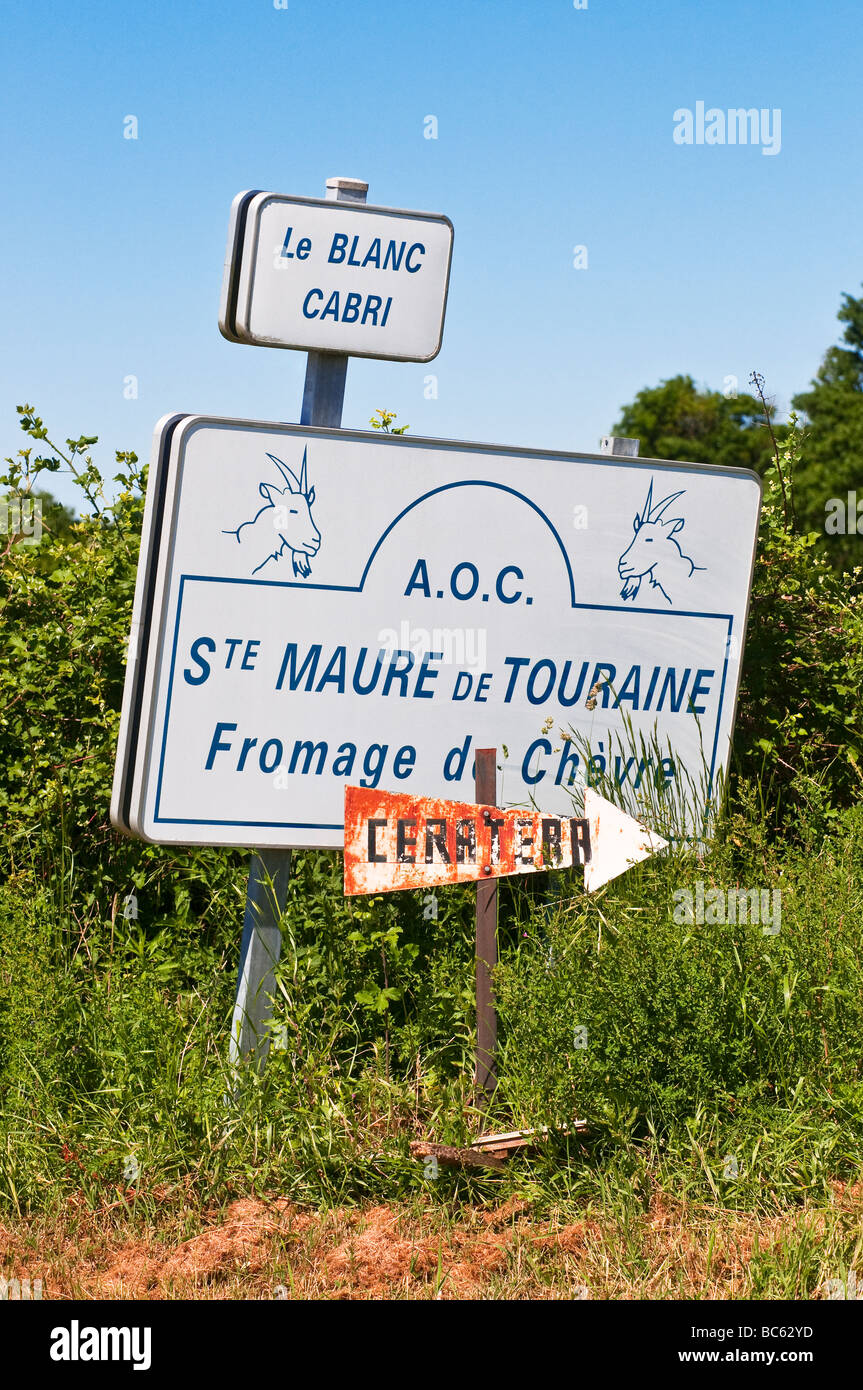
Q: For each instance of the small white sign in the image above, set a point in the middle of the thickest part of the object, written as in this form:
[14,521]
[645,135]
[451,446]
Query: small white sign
[322,607]
[331,276]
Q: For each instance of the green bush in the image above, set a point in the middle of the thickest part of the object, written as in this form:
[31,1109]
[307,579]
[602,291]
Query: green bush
[800,709]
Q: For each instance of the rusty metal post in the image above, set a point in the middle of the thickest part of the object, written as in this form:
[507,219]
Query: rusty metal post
[486,939]
[270,870]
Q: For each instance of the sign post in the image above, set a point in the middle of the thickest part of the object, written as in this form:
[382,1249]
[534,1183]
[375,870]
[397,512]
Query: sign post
[486,938]
[317,606]
[302,274]
[270,870]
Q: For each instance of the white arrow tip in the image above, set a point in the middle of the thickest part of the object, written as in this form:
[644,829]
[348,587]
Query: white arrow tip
[616,841]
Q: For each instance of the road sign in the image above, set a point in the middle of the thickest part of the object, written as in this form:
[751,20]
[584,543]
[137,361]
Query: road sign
[617,841]
[323,607]
[396,840]
[333,276]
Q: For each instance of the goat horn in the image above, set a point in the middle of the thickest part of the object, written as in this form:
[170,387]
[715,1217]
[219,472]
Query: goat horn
[304,481]
[662,506]
[645,515]
[289,476]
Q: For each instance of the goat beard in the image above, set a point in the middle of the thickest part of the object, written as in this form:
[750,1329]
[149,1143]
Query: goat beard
[301,563]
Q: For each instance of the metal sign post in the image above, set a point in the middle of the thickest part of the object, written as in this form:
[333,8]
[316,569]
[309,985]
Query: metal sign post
[486,939]
[270,870]
[619,446]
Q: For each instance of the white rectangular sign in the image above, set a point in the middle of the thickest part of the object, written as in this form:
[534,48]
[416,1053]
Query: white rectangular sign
[322,607]
[336,277]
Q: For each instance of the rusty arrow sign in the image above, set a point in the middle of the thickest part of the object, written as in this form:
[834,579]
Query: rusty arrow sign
[394,841]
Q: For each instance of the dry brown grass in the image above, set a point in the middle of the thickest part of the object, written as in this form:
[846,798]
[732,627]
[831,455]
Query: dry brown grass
[260,1249]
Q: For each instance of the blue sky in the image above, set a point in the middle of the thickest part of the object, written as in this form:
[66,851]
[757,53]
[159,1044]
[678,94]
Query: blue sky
[555,129]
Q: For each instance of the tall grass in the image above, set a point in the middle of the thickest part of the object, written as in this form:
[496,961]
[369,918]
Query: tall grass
[704,1042]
